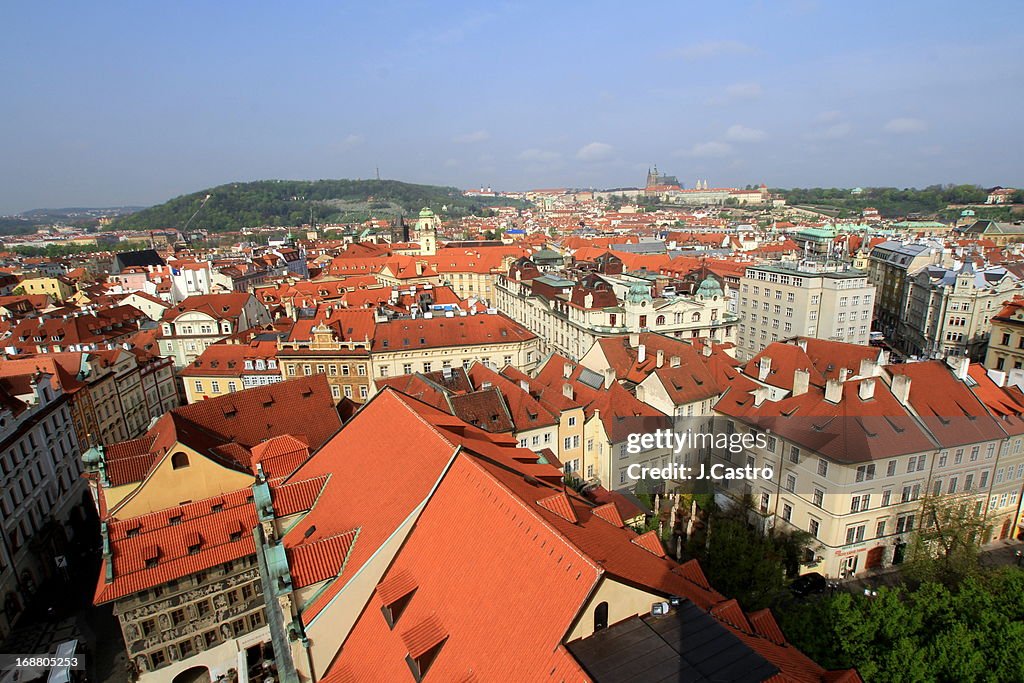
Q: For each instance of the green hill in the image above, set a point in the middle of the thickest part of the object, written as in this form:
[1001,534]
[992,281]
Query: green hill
[289,202]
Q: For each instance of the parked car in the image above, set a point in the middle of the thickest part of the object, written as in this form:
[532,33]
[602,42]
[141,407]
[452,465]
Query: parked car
[808,583]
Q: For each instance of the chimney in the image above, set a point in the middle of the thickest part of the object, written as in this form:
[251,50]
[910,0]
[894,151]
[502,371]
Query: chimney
[567,390]
[764,368]
[868,368]
[844,374]
[866,390]
[802,343]
[801,382]
[609,377]
[674,362]
[661,357]
[567,370]
[524,385]
[959,365]
[760,394]
[901,388]
[706,349]
[634,340]
[641,353]
[833,391]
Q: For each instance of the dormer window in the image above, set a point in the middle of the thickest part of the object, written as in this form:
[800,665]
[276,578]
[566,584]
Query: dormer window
[179,460]
[248,365]
[272,364]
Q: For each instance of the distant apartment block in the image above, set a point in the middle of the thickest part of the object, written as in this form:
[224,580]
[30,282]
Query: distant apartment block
[777,303]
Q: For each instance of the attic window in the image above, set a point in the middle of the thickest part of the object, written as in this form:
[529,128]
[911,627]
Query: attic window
[133,532]
[217,507]
[174,519]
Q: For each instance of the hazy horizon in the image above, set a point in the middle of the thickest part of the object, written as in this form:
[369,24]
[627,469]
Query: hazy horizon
[117,104]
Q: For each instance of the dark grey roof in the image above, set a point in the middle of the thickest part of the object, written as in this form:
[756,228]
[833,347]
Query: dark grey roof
[685,645]
[145,257]
[591,378]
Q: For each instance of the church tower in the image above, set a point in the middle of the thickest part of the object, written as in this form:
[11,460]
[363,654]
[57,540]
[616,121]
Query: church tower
[426,232]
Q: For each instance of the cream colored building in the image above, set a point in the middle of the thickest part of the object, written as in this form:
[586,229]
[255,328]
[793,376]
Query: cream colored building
[855,455]
[777,303]
[406,345]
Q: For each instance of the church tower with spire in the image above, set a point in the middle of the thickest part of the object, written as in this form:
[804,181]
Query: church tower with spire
[426,232]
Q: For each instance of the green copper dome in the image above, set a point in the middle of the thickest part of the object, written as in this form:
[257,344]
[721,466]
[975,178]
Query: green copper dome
[638,292]
[425,212]
[709,288]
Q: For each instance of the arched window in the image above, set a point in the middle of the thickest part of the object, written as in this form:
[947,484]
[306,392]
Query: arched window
[660,320]
[696,317]
[179,460]
[601,616]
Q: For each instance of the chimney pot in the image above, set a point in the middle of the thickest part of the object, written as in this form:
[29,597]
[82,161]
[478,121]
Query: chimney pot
[866,390]
[801,382]
[833,391]
[901,388]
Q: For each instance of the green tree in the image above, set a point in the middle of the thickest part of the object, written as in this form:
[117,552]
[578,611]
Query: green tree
[974,631]
[945,547]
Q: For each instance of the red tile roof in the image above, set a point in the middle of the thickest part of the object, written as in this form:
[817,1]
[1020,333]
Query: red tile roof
[319,560]
[153,549]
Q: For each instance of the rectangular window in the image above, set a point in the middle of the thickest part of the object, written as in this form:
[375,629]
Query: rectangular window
[886,497]
[818,498]
[813,527]
[794,454]
[891,471]
[787,511]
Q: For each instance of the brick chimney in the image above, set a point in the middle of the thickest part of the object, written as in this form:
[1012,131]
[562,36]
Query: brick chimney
[866,389]
[901,388]
[833,391]
[634,340]
[868,368]
[641,353]
[801,382]
[661,357]
[764,368]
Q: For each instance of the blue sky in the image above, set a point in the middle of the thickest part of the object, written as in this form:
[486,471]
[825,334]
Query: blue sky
[134,103]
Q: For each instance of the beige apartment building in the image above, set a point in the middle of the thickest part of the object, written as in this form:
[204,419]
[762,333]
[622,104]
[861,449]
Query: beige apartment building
[890,268]
[1006,339]
[950,310]
[777,303]
[855,447]
[424,344]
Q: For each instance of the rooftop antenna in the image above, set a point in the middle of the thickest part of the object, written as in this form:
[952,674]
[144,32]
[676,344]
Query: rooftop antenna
[378,173]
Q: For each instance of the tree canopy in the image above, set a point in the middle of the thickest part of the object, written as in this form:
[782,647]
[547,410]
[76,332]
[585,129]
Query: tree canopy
[973,632]
[291,202]
[891,202]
